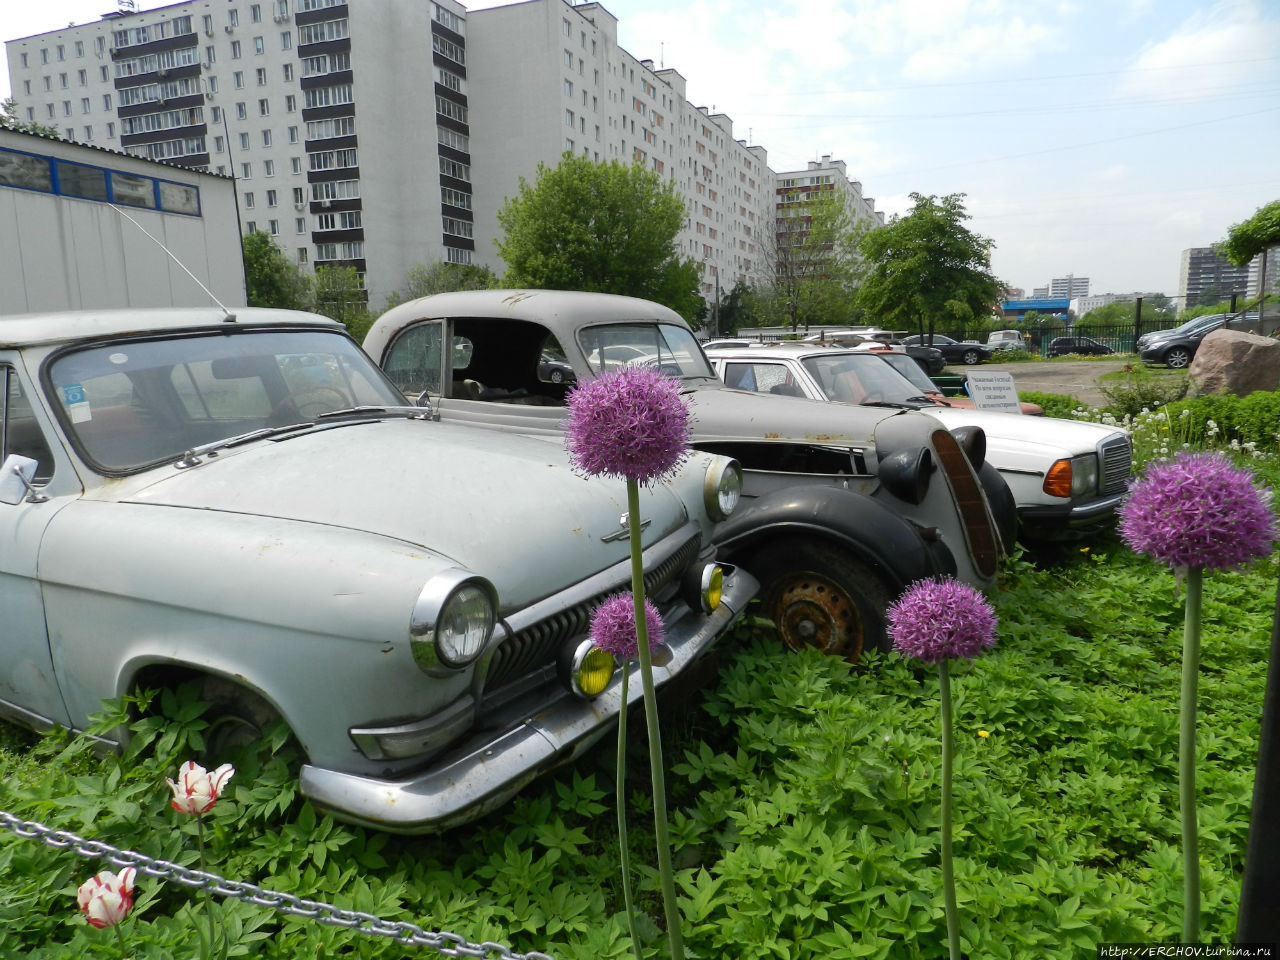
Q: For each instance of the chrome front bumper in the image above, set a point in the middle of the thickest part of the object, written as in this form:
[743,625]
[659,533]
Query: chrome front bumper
[468,786]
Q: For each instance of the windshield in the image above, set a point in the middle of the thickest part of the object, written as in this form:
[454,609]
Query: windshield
[910,370]
[663,346]
[130,404]
[860,378]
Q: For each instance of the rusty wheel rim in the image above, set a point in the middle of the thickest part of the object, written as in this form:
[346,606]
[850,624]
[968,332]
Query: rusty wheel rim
[811,611]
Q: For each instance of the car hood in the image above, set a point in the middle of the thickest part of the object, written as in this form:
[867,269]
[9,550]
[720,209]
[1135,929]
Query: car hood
[725,414]
[488,501]
[1012,430]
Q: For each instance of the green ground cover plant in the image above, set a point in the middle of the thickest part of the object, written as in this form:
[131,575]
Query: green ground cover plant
[804,804]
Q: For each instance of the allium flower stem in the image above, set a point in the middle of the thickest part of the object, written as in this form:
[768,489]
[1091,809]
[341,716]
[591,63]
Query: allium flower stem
[624,850]
[1187,760]
[948,873]
[674,935]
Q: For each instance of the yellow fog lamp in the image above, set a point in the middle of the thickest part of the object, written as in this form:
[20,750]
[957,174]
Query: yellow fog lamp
[586,669]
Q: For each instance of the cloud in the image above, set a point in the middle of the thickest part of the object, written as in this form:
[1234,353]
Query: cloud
[1227,40]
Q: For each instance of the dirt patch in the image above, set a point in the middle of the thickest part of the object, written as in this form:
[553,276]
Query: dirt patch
[1079,378]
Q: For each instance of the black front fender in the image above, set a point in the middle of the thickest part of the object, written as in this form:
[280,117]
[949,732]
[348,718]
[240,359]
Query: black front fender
[899,551]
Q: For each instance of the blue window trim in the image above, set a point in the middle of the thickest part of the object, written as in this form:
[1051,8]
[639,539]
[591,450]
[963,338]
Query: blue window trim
[56,184]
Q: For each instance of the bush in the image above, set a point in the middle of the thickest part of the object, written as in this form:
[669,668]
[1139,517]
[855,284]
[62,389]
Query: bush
[1140,389]
[1254,419]
[1054,404]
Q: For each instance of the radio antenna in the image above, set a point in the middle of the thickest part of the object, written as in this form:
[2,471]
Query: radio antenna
[228,316]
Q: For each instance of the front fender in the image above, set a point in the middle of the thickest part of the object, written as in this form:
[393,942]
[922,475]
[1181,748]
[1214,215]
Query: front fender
[900,552]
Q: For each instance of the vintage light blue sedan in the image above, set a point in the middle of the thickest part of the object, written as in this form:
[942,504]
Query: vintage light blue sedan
[246,501]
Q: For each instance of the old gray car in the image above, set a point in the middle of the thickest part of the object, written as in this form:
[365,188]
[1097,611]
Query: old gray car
[246,501]
[843,506]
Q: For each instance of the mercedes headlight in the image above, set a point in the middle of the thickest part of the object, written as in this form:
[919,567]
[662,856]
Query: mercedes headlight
[452,620]
[722,488]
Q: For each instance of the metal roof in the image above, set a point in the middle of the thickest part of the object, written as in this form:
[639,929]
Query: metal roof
[29,329]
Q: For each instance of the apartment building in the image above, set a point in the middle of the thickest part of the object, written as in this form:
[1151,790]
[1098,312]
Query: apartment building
[347,139]
[353,142]
[547,77]
[795,189]
[1201,269]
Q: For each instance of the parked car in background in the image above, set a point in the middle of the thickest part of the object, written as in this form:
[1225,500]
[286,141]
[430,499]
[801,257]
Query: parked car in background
[954,351]
[928,359]
[245,502]
[842,507]
[1177,347]
[1066,476]
[555,369]
[1077,346]
[1008,340]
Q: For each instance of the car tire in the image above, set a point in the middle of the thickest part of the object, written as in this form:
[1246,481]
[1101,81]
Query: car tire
[971,357]
[1177,357]
[238,720]
[557,376]
[818,595]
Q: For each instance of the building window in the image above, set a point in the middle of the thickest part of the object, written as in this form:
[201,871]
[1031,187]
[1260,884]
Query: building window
[79,48]
[568,119]
[268,168]
[568,59]
[451,138]
[111,130]
[302,254]
[207,20]
[288,71]
[210,57]
[61,52]
[295,164]
[286,40]
[271,198]
[300,225]
[262,76]
[293,134]
[233,17]
[568,88]
[66,110]
[24,61]
[290,103]
[235,48]
[106,101]
[264,108]
[88,133]
[83,77]
[218,145]
[62,79]
[244,141]
[447,48]
[246,171]
[255,12]
[273,227]
[565,28]
[237,80]
[84,105]
[251,226]
[102,74]
[298,195]
[457,255]
[258,45]
[248,199]
[449,79]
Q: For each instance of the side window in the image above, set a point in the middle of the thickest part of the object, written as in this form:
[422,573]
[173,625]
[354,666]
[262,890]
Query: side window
[762,378]
[553,365]
[20,433]
[413,360]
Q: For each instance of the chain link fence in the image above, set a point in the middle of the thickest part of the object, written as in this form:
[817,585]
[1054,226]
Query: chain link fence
[447,944]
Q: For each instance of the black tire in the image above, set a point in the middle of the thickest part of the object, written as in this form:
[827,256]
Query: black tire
[819,595]
[1177,357]
[971,357]
[238,720]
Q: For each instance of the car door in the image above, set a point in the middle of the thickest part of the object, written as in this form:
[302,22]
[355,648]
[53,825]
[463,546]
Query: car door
[28,688]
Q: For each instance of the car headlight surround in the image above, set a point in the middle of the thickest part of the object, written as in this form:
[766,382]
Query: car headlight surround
[1084,475]
[586,669]
[722,488]
[452,620]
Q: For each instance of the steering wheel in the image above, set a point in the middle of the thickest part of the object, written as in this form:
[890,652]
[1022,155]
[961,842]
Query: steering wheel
[318,403]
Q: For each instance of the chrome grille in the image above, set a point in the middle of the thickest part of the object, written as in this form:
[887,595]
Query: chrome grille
[536,646]
[1117,463]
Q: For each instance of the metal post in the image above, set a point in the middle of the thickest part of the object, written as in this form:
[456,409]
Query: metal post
[235,195]
[1233,302]
[1137,322]
[1259,920]
[715,314]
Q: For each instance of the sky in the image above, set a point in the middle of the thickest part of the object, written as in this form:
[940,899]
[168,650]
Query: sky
[1096,138]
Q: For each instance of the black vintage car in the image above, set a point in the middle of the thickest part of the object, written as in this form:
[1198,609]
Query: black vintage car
[953,351]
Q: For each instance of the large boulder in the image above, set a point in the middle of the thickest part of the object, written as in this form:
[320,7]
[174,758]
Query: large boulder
[1232,361]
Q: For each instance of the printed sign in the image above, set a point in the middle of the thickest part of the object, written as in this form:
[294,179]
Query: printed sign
[76,402]
[993,391]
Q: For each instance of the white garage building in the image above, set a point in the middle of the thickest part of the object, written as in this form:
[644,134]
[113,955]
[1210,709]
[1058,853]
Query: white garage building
[67,241]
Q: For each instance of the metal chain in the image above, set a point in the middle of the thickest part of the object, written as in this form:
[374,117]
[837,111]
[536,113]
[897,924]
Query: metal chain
[448,944]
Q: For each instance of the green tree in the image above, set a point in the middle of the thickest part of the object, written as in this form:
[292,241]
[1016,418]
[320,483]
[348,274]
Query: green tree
[272,279]
[604,227]
[928,268]
[9,118]
[443,277]
[816,264]
[1248,239]
[339,294]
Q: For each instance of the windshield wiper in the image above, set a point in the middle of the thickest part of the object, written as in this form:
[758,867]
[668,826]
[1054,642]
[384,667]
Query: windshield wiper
[368,411]
[192,456]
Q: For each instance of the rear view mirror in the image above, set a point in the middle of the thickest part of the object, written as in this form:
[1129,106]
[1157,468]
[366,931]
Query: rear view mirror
[16,475]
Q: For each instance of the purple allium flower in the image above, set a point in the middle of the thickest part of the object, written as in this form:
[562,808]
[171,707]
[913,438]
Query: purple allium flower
[936,620]
[1198,510]
[613,625]
[630,423]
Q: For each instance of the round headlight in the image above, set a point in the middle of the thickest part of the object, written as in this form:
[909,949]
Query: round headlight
[585,668]
[722,488]
[464,626]
[452,620]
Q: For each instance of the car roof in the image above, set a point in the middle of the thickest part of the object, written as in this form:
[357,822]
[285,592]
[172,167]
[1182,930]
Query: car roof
[66,326]
[798,351]
[560,311]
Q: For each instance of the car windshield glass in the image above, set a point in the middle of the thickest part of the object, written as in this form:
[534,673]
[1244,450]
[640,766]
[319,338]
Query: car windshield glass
[662,346]
[130,404]
[909,369]
[859,378]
